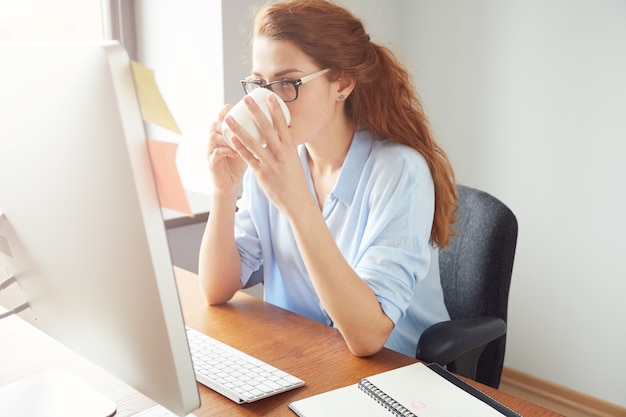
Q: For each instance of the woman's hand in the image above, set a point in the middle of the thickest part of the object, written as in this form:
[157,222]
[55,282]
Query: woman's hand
[225,165]
[274,159]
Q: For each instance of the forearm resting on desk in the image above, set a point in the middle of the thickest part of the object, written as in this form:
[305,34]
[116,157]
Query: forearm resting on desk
[348,300]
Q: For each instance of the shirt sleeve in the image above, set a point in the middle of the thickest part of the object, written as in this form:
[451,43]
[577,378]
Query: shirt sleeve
[246,232]
[395,252]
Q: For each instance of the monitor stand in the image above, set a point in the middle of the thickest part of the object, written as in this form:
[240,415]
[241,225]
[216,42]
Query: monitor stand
[54,394]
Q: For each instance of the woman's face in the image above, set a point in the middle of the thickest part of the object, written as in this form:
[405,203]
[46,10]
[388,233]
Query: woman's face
[315,110]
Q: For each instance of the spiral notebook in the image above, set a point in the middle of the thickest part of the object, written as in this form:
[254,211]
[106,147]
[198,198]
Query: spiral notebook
[414,390]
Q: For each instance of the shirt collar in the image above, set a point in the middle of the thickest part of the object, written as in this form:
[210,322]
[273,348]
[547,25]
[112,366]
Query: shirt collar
[353,166]
[352,169]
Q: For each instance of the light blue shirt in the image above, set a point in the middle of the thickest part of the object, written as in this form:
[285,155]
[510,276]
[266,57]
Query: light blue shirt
[380,214]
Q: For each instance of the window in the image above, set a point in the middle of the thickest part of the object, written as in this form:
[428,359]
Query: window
[181,43]
[58,20]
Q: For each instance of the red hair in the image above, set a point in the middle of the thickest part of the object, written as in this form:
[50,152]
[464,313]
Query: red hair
[384,99]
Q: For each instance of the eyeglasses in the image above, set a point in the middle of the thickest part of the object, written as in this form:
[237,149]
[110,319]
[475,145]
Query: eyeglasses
[285,89]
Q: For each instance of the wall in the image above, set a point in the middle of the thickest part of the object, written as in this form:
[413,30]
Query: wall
[237,46]
[529,99]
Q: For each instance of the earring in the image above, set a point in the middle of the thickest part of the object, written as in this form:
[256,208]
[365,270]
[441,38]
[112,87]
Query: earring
[341,97]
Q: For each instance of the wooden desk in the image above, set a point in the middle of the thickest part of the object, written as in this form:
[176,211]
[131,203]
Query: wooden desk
[305,348]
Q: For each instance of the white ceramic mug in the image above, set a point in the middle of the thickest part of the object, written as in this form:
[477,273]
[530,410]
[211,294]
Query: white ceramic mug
[240,113]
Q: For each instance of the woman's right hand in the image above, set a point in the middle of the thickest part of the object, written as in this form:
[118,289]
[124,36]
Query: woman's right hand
[225,164]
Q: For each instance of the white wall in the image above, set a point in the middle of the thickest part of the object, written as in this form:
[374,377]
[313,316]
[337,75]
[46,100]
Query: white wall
[529,99]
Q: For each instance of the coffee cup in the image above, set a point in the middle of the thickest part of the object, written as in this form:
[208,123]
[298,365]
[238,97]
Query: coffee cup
[240,113]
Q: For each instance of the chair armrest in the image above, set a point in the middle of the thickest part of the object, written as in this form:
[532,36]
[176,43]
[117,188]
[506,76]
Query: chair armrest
[449,341]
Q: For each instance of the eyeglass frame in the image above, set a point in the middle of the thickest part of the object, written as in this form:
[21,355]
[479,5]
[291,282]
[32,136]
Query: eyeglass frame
[296,83]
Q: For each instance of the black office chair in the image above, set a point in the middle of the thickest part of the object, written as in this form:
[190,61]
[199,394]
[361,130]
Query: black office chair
[476,275]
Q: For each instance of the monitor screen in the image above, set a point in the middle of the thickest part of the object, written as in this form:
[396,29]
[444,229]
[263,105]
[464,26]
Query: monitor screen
[82,239]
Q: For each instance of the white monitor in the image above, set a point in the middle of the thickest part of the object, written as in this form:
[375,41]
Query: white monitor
[81,230]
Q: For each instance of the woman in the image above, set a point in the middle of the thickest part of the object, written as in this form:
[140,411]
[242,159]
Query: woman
[344,209]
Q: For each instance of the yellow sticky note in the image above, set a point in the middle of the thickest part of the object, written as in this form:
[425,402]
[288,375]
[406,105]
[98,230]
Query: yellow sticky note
[153,107]
[170,189]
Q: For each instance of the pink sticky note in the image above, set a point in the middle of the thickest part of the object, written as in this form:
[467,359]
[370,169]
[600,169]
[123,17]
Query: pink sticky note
[170,188]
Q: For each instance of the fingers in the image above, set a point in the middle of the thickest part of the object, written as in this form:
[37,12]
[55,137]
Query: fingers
[219,153]
[268,126]
[223,112]
[253,144]
[244,153]
[260,119]
[245,145]
[278,117]
[216,127]
[216,139]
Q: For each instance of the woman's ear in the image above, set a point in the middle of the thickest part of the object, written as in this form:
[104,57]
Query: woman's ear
[345,85]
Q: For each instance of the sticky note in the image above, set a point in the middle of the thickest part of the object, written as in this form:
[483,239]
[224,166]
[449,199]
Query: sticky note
[153,106]
[170,188]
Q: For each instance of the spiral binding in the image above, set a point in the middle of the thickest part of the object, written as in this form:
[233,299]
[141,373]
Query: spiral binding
[385,400]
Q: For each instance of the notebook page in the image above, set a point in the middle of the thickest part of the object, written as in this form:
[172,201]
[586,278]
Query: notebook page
[345,402]
[426,394]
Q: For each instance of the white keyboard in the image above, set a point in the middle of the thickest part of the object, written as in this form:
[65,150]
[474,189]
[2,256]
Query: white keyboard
[234,374]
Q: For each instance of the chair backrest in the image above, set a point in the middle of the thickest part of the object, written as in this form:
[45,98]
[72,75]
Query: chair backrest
[476,269]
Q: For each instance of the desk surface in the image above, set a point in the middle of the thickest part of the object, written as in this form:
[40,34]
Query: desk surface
[305,348]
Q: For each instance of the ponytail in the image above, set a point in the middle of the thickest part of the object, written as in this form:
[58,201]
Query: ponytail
[397,113]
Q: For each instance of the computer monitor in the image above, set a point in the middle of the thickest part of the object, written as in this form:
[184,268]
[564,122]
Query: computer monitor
[82,238]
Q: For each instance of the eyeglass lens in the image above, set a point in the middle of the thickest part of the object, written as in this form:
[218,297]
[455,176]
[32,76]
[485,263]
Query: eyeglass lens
[284,90]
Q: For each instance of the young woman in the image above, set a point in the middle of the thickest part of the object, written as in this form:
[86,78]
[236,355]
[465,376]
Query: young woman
[345,208]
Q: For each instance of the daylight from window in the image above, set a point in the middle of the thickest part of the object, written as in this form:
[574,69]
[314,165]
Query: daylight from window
[45,20]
